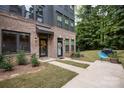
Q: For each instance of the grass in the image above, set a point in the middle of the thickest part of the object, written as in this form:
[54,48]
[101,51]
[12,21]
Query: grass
[89,55]
[82,65]
[121,56]
[92,55]
[49,77]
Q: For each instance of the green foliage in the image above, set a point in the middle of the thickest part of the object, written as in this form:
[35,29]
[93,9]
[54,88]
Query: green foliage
[5,63]
[34,61]
[100,26]
[113,55]
[75,54]
[21,58]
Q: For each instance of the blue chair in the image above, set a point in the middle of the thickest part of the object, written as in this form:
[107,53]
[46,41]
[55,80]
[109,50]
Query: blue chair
[102,55]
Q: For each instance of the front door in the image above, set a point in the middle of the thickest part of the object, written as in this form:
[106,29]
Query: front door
[43,47]
[59,48]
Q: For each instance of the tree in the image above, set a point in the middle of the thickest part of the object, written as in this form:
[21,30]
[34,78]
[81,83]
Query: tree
[100,26]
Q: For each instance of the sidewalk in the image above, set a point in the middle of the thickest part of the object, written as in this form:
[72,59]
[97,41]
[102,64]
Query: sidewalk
[99,74]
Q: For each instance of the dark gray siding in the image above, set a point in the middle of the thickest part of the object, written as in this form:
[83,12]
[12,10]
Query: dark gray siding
[49,12]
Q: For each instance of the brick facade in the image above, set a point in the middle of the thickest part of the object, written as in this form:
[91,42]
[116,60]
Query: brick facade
[19,24]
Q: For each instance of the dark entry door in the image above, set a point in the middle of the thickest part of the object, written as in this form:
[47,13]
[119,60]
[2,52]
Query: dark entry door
[43,47]
[59,48]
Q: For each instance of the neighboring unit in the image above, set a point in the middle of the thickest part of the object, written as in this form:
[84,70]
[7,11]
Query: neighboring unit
[47,30]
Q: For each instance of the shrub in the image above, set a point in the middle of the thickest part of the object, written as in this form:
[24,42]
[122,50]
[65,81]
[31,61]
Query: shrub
[21,58]
[1,60]
[5,63]
[113,55]
[34,61]
[75,54]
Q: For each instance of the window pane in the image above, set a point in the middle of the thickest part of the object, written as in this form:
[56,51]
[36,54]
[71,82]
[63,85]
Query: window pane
[39,14]
[29,11]
[72,7]
[66,23]
[59,19]
[8,43]
[67,45]
[16,9]
[72,25]
[72,45]
[72,42]
[24,42]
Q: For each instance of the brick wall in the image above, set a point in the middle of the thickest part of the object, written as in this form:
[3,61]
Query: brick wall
[61,33]
[13,23]
[16,23]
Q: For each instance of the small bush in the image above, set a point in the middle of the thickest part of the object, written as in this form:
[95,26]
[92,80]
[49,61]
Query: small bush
[21,58]
[1,58]
[5,63]
[75,55]
[34,61]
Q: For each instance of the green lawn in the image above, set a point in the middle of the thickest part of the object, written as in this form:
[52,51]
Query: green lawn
[82,65]
[121,56]
[49,77]
[90,55]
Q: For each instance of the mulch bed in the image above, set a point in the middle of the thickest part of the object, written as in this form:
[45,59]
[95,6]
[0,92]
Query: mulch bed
[19,69]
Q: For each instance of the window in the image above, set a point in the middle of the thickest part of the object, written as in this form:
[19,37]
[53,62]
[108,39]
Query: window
[39,14]
[71,7]
[66,45]
[66,23]
[8,43]
[29,11]
[72,25]
[15,9]
[72,45]
[59,20]
[24,42]
[14,41]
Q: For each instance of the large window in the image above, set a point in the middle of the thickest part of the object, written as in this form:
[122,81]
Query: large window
[15,9]
[29,11]
[66,45]
[39,13]
[59,20]
[13,41]
[72,45]
[66,23]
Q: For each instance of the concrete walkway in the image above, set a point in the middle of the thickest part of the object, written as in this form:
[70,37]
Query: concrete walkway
[99,74]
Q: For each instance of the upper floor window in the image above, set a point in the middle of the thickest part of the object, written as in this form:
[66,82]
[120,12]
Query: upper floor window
[39,13]
[16,9]
[71,7]
[59,20]
[29,11]
[72,25]
[66,23]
